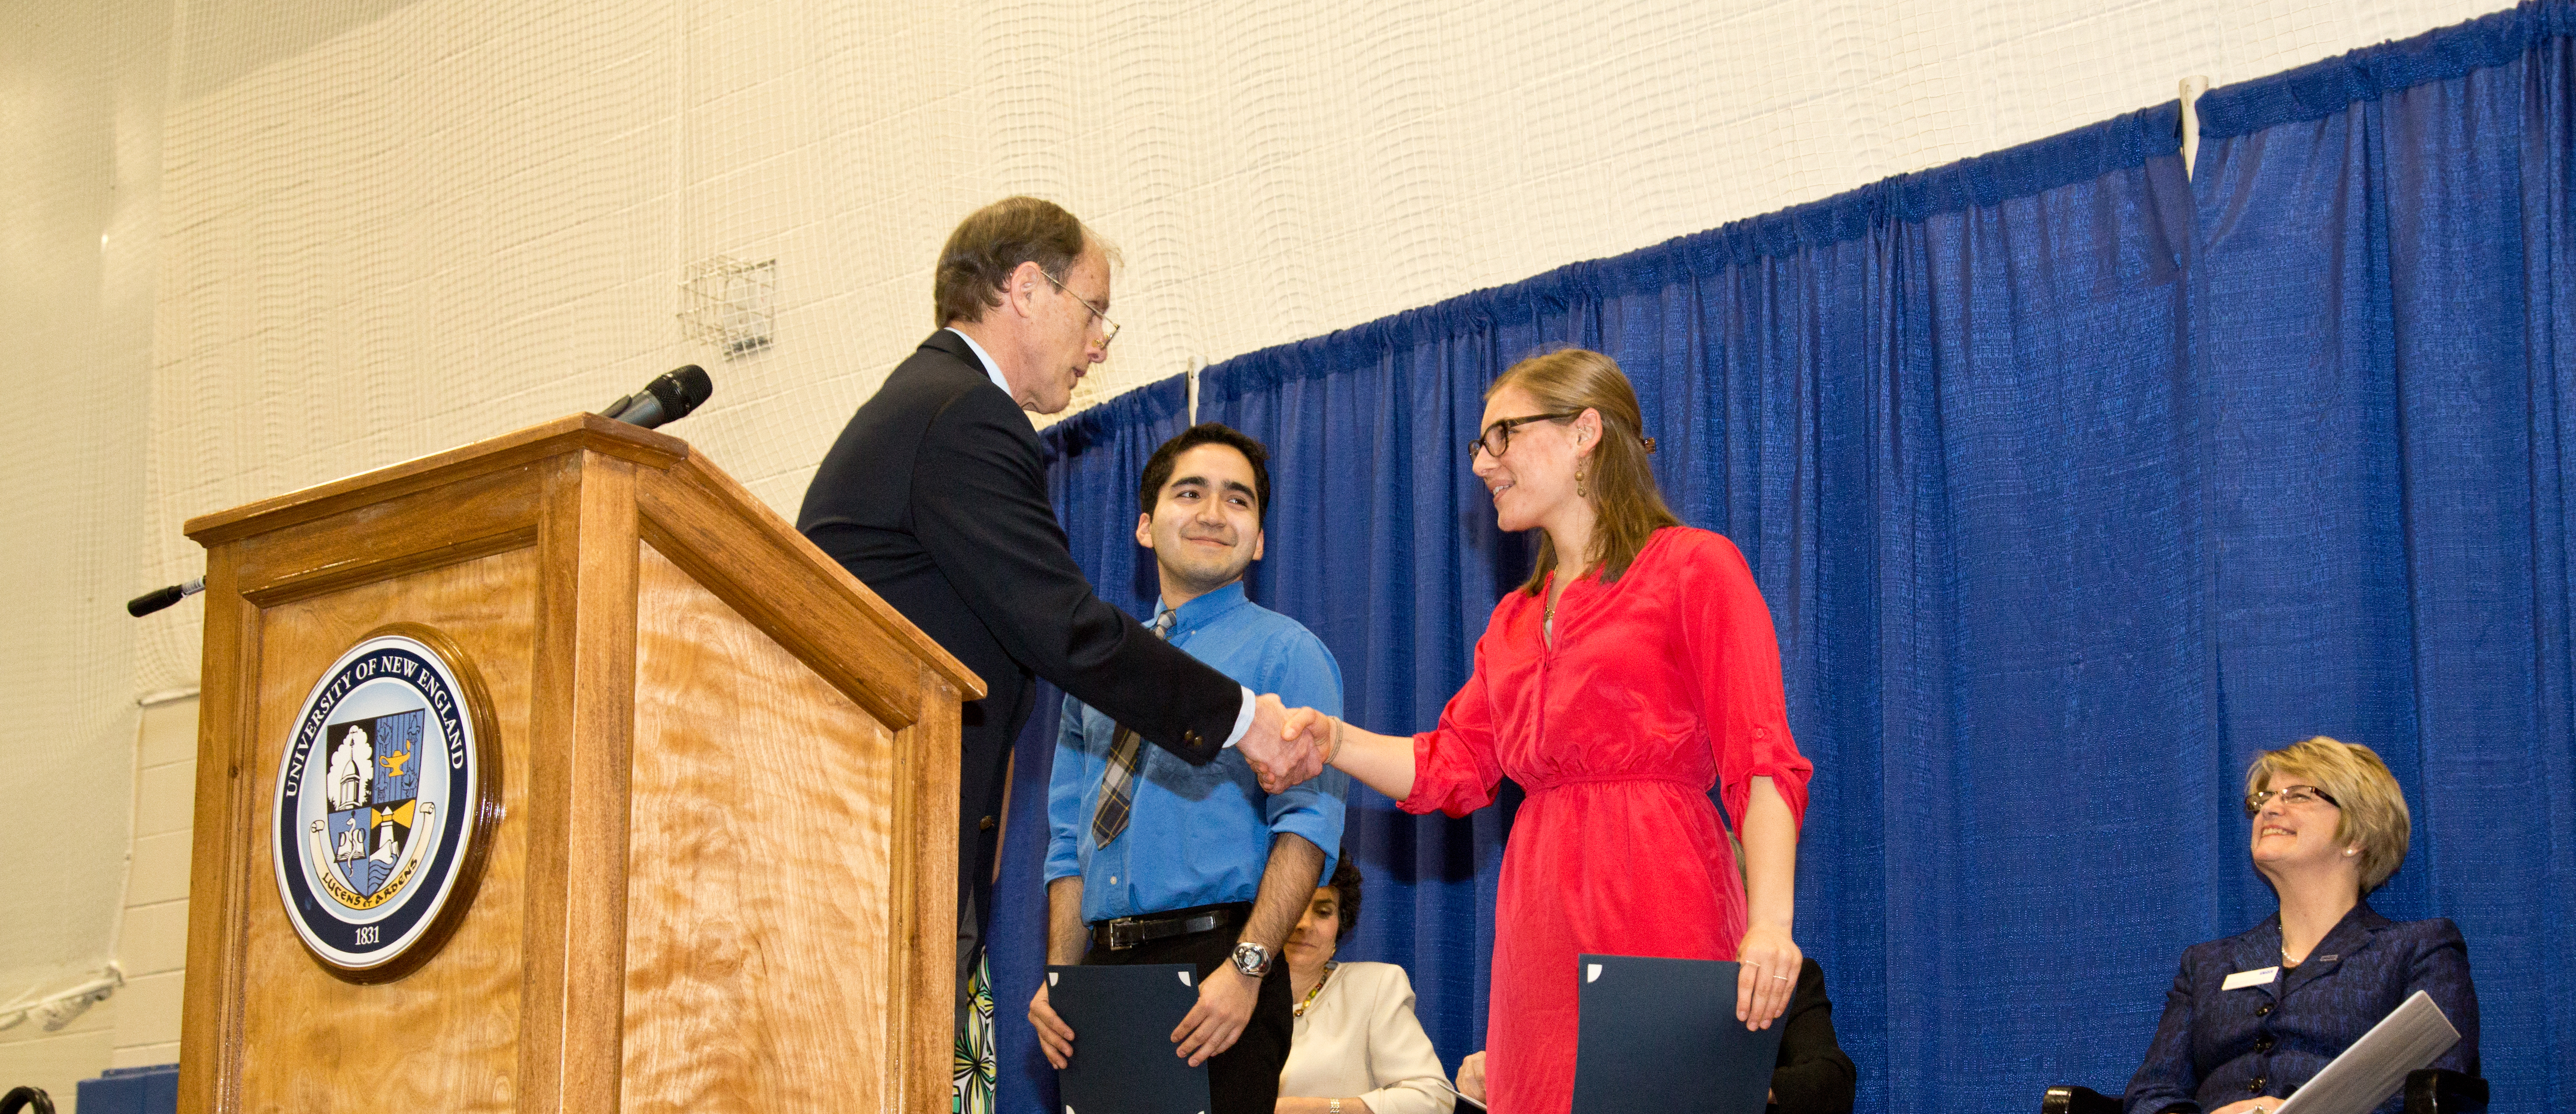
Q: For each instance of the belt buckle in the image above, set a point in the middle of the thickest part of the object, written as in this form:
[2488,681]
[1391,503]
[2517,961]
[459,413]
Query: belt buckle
[1119,927]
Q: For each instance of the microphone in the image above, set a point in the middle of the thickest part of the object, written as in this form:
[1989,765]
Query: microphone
[668,398]
[159,598]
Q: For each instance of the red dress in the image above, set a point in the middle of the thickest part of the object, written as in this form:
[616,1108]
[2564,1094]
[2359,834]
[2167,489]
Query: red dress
[1658,687]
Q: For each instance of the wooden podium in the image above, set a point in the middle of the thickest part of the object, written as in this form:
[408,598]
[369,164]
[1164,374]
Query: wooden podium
[717,871]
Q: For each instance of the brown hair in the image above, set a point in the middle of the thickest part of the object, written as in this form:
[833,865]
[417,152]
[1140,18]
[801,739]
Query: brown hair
[992,242]
[1627,507]
[2370,810]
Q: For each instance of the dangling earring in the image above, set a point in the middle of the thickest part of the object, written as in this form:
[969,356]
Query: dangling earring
[1579,492]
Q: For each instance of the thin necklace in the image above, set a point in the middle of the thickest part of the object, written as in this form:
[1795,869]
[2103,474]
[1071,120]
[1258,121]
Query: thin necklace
[1547,622]
[1329,965]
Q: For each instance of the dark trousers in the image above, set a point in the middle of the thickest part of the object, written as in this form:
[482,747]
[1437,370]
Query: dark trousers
[1243,1079]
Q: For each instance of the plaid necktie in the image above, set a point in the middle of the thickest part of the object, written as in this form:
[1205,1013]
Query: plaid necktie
[1118,782]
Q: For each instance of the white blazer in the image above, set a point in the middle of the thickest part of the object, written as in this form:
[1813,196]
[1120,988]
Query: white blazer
[1360,1039]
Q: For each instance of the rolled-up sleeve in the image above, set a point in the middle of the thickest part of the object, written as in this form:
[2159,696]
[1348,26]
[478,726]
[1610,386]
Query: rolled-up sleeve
[1065,784]
[1736,653]
[1306,676]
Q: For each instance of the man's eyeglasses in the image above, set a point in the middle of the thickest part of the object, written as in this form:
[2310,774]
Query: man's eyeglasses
[1108,328]
[1497,437]
[2290,795]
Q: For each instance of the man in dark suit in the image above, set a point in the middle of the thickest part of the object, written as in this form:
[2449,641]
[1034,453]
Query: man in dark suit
[935,498]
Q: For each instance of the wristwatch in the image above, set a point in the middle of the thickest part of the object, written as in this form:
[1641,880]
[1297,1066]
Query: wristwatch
[1252,959]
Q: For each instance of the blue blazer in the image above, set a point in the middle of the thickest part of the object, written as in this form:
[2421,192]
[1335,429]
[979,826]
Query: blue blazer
[2217,1046]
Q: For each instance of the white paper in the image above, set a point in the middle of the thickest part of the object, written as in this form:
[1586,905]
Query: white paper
[2409,1038]
[1462,1096]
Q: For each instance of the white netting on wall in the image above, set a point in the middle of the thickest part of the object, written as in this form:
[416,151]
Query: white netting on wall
[391,228]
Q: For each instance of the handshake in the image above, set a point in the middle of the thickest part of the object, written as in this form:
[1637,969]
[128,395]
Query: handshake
[1288,746]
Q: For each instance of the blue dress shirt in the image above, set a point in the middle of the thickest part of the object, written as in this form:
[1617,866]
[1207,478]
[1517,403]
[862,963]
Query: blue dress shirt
[2216,1046]
[1198,835]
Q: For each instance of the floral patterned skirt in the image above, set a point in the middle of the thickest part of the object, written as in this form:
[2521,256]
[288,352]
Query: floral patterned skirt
[975,1067]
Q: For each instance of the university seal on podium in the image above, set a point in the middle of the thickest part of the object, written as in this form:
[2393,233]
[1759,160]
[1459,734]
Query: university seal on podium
[384,797]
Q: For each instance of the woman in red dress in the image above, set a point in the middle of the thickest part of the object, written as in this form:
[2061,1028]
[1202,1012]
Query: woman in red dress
[1616,687]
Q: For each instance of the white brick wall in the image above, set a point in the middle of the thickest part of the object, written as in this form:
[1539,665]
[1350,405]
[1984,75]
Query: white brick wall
[58,1061]
[137,1026]
[152,946]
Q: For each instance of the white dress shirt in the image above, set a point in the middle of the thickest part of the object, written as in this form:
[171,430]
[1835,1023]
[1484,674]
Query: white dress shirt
[991,369]
[1360,1039]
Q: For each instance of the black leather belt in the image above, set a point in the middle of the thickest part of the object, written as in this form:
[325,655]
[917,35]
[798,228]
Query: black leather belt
[1121,933]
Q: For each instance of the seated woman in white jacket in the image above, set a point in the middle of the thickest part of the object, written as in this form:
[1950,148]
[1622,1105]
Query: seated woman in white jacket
[1358,1048]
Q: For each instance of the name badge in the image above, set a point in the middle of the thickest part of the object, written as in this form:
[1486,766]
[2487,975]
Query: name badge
[2243,979]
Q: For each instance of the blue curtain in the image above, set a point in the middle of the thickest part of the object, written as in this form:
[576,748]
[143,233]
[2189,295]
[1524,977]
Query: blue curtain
[2387,311]
[2071,484]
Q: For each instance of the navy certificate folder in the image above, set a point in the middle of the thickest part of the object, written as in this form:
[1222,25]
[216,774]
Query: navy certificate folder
[1122,1020]
[1662,1033]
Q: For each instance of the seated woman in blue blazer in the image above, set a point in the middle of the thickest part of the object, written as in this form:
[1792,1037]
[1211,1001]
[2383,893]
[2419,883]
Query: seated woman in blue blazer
[2254,1015]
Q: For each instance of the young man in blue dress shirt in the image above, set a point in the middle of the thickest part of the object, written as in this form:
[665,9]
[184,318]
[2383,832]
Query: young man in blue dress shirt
[1153,860]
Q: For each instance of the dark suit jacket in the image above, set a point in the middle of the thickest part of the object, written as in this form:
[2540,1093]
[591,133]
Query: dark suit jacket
[2217,1046]
[935,498]
[1813,1075]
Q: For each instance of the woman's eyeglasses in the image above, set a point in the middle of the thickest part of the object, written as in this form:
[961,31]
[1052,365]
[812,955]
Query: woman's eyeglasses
[2293,795]
[1498,437]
